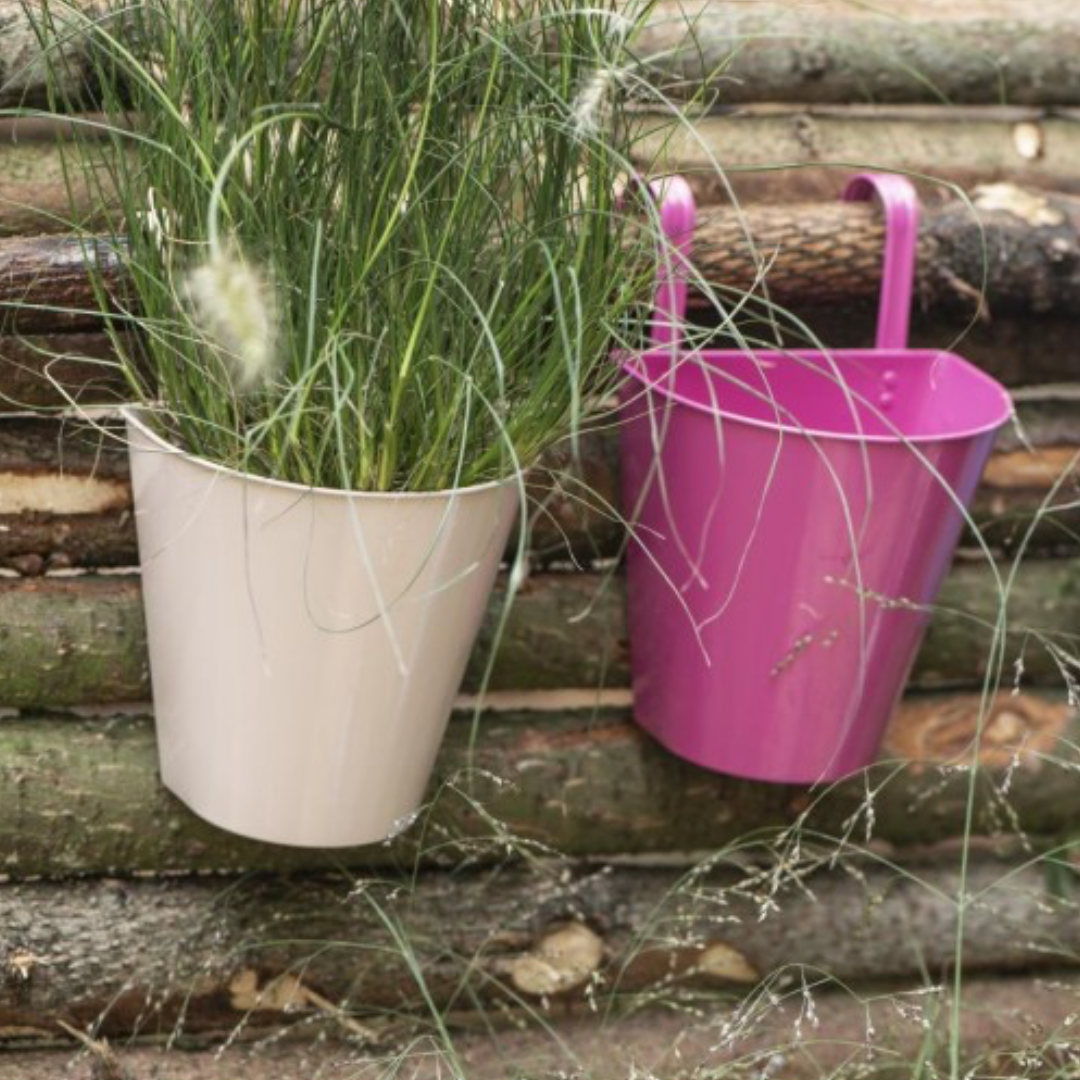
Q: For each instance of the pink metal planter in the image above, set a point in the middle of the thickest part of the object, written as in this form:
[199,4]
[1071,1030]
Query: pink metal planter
[794,514]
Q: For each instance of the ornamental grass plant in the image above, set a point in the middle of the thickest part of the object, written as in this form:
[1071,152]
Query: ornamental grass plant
[371,246]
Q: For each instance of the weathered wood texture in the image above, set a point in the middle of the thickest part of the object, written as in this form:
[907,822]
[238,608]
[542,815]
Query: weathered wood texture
[1019,250]
[45,285]
[31,45]
[1006,1019]
[1026,246]
[919,50]
[49,369]
[1008,51]
[202,953]
[72,641]
[786,153]
[65,499]
[42,188]
[52,370]
[82,796]
[774,153]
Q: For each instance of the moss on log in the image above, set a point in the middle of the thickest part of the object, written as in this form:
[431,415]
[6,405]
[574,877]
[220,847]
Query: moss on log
[80,640]
[191,954]
[81,796]
[71,630]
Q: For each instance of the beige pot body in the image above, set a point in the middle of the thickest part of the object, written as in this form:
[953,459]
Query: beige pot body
[288,708]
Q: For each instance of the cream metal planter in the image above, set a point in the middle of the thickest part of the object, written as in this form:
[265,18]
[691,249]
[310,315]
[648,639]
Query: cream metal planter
[306,644]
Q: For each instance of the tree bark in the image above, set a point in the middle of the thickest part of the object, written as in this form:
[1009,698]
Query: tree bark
[1018,350]
[1025,257]
[155,956]
[47,284]
[1007,52]
[51,371]
[1012,51]
[801,153]
[81,795]
[80,640]
[1026,246]
[1003,1018]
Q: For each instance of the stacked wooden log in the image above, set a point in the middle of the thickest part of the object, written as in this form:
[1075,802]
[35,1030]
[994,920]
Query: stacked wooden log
[565,859]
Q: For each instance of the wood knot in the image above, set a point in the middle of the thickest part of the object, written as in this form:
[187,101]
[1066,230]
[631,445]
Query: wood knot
[1029,140]
[30,564]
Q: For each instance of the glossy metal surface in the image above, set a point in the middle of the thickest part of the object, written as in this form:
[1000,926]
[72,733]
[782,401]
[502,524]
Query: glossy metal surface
[795,514]
[288,708]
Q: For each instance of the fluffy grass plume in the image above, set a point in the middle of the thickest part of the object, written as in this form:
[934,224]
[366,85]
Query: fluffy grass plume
[233,302]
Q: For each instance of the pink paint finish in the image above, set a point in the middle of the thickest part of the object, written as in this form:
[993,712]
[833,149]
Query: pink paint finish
[795,515]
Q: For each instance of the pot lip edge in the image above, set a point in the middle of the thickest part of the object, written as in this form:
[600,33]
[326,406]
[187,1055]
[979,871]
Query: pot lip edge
[631,368]
[133,416]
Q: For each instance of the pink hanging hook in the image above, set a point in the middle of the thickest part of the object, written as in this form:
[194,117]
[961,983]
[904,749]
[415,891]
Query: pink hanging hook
[678,218]
[897,196]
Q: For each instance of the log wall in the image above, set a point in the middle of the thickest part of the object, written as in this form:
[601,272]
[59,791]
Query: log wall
[565,858]
[565,772]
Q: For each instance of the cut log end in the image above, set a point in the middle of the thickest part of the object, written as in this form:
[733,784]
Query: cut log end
[1018,729]
[725,963]
[1034,470]
[564,958]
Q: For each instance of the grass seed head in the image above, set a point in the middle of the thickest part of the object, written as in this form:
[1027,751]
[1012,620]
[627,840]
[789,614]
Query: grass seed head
[232,303]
